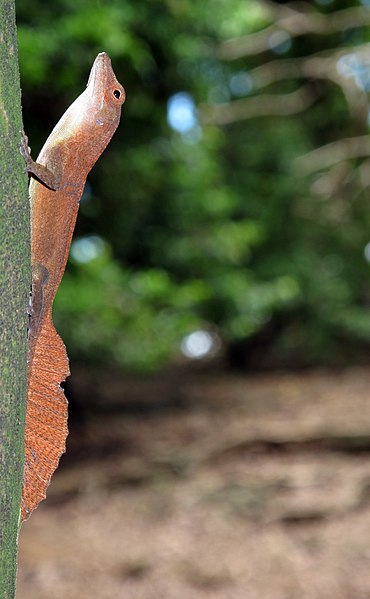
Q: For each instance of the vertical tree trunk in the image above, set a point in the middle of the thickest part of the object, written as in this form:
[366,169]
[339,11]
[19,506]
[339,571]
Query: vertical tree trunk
[14,289]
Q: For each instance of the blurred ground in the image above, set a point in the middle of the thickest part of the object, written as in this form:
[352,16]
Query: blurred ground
[208,487]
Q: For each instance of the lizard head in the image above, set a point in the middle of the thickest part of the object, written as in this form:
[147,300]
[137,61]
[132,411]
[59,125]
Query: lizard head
[92,119]
[106,94]
[88,125]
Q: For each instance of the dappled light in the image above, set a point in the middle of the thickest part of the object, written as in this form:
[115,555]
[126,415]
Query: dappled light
[199,344]
[85,249]
[181,112]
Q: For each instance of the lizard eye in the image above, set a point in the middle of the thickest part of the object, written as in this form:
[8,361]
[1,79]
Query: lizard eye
[117,94]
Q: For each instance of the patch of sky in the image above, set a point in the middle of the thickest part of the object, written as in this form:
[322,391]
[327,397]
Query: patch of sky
[241,84]
[86,249]
[198,344]
[351,65]
[280,42]
[367,252]
[182,117]
[181,112]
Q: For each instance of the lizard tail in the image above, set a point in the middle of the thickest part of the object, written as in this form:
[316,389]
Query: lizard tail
[46,415]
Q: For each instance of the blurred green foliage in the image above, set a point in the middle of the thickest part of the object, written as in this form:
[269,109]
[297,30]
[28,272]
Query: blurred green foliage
[211,226]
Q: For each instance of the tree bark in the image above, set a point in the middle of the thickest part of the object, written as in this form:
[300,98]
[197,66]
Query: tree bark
[15,275]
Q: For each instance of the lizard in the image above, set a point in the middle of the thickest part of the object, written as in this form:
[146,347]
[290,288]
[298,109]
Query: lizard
[57,181]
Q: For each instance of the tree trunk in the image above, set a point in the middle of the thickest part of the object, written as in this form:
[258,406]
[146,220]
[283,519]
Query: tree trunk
[14,289]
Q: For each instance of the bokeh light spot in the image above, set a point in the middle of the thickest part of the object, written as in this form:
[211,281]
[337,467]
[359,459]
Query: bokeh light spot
[197,345]
[181,113]
[85,249]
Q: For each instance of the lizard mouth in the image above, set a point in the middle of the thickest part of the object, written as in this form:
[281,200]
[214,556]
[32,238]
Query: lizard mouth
[98,73]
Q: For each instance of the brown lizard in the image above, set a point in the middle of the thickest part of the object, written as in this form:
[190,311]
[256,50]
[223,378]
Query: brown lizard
[56,186]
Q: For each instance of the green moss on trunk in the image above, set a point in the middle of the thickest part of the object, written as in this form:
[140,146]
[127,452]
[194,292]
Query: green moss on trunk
[14,287]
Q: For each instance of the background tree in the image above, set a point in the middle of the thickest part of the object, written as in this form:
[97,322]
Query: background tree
[234,199]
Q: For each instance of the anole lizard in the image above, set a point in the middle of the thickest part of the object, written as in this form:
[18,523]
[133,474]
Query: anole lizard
[58,181]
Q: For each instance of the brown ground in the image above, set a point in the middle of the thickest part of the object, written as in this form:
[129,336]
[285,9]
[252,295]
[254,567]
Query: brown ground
[215,488]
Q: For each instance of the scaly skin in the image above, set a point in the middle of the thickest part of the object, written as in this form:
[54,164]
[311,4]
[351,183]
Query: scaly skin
[59,176]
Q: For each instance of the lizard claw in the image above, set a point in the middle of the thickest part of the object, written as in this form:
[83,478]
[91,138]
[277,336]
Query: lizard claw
[25,150]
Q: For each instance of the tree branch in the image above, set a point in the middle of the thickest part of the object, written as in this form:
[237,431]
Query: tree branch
[257,106]
[295,23]
[322,65]
[337,151]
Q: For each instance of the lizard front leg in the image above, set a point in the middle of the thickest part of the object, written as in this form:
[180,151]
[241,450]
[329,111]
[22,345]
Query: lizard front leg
[41,172]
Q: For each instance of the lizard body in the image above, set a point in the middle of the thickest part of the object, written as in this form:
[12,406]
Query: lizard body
[56,186]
